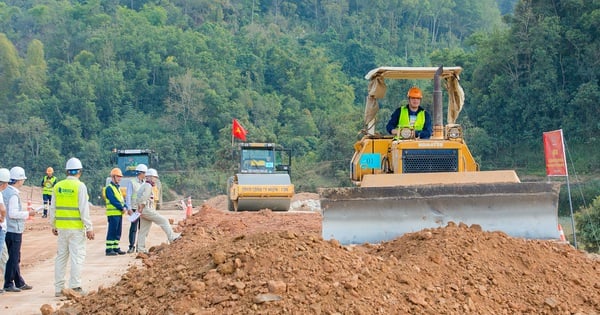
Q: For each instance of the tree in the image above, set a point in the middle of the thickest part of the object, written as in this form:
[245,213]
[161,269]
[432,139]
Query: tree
[588,226]
[9,69]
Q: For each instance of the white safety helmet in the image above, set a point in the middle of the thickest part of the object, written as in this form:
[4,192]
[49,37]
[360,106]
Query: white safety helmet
[4,175]
[152,172]
[141,168]
[73,164]
[17,173]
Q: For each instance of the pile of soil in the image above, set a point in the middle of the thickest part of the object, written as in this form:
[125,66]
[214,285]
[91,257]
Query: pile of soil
[276,262]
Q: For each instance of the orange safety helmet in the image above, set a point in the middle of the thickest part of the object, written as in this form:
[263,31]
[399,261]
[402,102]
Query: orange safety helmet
[415,92]
[116,172]
[49,171]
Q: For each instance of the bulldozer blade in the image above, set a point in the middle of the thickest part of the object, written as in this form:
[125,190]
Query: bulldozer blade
[357,215]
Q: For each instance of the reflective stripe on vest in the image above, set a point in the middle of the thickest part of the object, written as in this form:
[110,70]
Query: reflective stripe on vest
[404,120]
[111,210]
[48,184]
[66,193]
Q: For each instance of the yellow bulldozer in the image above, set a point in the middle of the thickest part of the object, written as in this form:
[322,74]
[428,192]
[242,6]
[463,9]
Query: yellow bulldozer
[405,184]
[263,179]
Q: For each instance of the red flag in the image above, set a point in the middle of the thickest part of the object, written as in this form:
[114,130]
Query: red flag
[556,164]
[238,131]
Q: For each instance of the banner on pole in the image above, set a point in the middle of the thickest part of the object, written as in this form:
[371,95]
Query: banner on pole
[554,149]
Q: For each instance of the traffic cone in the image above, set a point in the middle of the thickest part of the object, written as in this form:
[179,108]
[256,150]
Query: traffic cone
[188,210]
[561,234]
[29,207]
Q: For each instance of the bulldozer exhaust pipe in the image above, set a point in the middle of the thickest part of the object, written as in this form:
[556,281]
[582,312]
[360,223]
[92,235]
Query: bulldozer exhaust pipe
[438,120]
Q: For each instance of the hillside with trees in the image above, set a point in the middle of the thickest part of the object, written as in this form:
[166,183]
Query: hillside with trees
[79,78]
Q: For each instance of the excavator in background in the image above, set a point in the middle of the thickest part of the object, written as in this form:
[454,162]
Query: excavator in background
[263,179]
[405,184]
[127,160]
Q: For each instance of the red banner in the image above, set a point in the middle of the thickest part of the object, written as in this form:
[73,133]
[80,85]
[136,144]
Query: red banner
[238,131]
[554,149]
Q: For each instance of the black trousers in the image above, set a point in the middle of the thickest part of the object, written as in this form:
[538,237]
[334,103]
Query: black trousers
[12,274]
[133,228]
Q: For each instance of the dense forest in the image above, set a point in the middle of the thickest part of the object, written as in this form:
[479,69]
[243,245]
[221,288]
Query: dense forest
[79,78]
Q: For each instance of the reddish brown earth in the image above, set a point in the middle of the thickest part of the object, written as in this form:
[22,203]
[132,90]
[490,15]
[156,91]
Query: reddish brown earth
[277,263]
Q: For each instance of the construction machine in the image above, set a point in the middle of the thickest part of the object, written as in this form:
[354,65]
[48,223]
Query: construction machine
[127,160]
[405,184]
[263,179]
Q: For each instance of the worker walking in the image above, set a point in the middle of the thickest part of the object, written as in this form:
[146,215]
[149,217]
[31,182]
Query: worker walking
[131,195]
[115,208]
[15,226]
[147,210]
[71,222]
[47,184]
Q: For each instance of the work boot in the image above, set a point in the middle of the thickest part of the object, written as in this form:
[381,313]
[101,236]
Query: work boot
[111,253]
[176,236]
[119,251]
[12,288]
[79,290]
[25,287]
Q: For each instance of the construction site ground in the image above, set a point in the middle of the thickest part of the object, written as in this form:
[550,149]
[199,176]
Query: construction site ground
[269,262]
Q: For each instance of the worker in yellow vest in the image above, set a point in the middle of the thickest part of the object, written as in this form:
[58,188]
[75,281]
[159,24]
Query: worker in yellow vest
[70,218]
[411,116]
[48,183]
[115,208]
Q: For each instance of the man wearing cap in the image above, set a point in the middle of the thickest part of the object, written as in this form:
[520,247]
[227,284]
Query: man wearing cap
[4,179]
[47,183]
[115,208]
[132,188]
[70,219]
[15,225]
[148,213]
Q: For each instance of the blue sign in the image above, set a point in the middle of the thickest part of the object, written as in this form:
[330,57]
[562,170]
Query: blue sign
[371,160]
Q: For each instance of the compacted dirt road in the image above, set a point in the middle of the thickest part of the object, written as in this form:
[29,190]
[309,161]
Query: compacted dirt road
[277,263]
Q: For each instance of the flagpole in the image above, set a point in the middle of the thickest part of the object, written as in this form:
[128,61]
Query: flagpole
[569,190]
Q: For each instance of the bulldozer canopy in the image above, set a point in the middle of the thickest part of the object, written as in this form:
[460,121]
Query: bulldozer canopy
[377,88]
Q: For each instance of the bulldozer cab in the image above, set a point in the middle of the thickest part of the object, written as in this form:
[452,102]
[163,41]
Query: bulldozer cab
[264,158]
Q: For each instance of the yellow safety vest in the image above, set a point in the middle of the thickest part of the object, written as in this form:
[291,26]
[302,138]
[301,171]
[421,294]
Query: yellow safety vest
[48,184]
[68,216]
[111,210]
[404,120]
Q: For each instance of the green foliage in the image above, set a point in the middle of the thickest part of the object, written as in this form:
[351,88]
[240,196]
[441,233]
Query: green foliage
[588,227]
[81,78]
[581,194]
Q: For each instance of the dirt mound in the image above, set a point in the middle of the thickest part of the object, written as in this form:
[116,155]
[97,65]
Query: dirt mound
[272,263]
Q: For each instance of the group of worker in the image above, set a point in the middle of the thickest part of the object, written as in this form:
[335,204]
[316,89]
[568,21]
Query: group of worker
[12,224]
[66,204]
[140,190]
